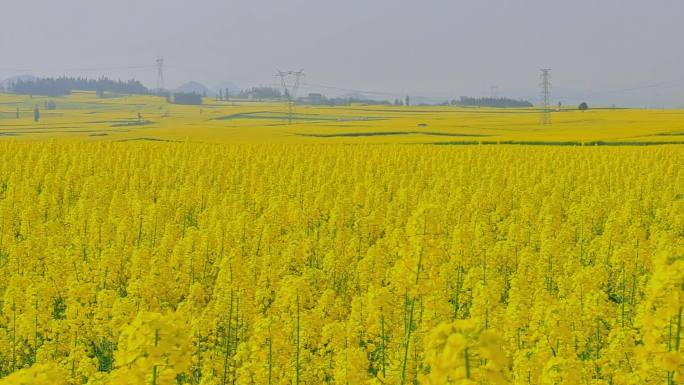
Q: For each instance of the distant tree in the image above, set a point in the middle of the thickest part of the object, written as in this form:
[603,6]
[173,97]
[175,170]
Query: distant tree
[559,106]
[407,101]
[320,99]
[315,98]
[260,93]
[491,102]
[64,85]
[36,114]
[583,106]
[220,95]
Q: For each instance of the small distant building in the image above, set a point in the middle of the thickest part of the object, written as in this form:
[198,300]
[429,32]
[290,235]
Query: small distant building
[188,98]
[316,98]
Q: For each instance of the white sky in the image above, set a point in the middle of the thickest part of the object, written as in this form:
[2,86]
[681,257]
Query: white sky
[431,47]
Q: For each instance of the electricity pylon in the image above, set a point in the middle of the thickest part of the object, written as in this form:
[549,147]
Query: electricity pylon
[289,81]
[160,74]
[545,85]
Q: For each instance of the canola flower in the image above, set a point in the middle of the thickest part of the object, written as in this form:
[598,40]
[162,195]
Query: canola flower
[189,263]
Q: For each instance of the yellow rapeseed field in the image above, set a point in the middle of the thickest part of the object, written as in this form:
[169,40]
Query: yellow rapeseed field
[82,116]
[217,245]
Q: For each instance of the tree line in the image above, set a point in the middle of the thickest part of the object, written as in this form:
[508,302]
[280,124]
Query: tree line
[491,102]
[260,93]
[62,86]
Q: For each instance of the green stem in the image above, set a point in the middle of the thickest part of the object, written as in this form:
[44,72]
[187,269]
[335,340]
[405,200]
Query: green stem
[154,368]
[224,380]
[298,330]
[467,363]
[622,303]
[270,358]
[198,373]
[14,336]
[598,348]
[140,230]
[35,333]
[598,339]
[236,333]
[459,284]
[678,336]
[382,340]
[412,305]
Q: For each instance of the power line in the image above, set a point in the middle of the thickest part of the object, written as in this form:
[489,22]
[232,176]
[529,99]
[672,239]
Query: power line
[393,94]
[195,71]
[370,92]
[624,90]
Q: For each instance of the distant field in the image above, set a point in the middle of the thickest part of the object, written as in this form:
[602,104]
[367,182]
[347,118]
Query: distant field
[83,116]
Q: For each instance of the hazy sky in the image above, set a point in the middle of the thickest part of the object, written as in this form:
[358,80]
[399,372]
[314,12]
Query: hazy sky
[430,47]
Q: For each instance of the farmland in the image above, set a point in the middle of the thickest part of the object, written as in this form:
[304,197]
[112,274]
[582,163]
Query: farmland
[82,116]
[217,244]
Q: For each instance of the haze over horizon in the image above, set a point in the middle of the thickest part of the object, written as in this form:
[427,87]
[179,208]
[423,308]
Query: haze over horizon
[620,50]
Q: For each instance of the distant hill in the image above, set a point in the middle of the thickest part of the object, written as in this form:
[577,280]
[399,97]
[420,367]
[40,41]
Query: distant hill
[232,87]
[193,87]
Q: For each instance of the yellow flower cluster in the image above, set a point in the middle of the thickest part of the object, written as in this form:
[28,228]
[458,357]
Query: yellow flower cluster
[189,263]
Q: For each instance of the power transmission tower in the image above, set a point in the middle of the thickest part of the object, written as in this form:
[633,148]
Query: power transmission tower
[289,81]
[545,85]
[493,91]
[160,74]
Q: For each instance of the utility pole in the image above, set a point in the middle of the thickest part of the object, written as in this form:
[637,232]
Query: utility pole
[545,85]
[160,75]
[289,81]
